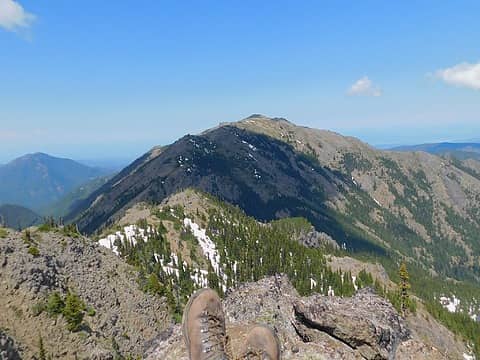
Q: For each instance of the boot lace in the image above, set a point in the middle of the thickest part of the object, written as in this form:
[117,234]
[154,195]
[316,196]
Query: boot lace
[213,336]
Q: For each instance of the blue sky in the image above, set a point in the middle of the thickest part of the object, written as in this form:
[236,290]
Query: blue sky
[110,79]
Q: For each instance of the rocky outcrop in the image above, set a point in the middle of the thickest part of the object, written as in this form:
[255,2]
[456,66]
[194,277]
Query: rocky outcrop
[318,327]
[121,320]
[366,323]
[8,348]
[315,239]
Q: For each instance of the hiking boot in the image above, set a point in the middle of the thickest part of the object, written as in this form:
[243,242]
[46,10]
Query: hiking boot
[204,326]
[262,344]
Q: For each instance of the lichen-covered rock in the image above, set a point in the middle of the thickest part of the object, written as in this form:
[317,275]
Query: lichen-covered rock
[415,350]
[366,323]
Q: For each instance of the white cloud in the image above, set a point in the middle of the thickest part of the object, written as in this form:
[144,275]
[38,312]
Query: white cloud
[13,17]
[365,87]
[464,74]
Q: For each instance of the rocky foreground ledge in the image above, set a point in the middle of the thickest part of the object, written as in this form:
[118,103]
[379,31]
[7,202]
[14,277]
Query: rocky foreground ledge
[126,321]
[365,326]
[122,319]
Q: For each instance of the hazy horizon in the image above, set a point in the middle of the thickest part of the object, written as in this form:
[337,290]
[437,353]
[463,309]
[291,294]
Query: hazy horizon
[103,156]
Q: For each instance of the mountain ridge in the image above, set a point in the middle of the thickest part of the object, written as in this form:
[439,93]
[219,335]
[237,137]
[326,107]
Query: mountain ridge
[18,217]
[460,150]
[228,179]
[406,203]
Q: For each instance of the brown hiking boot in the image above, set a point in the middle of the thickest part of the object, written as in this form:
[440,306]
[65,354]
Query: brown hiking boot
[204,326]
[262,344]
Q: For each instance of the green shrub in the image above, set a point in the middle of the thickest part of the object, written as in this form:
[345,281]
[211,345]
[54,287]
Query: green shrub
[45,227]
[27,237]
[3,233]
[91,311]
[55,304]
[32,250]
[73,311]
[70,230]
[153,285]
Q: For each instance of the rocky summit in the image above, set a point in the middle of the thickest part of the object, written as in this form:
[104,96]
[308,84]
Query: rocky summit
[364,326]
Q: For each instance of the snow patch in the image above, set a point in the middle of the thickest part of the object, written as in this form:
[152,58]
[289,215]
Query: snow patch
[251,147]
[208,247]
[130,233]
[354,281]
[451,304]
[109,243]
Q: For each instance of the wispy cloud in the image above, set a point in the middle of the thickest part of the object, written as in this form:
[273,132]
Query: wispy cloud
[364,87]
[464,74]
[13,17]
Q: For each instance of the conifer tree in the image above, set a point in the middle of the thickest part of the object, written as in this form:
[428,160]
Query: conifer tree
[213,280]
[55,304]
[73,311]
[42,354]
[404,287]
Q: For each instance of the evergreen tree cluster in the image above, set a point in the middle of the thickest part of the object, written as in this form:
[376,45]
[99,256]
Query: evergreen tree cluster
[249,250]
[146,255]
[459,323]
[57,225]
[71,307]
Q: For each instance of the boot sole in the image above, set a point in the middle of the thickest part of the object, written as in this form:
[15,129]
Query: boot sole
[185,317]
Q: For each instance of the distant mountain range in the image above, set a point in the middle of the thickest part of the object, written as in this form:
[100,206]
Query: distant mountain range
[38,180]
[18,217]
[462,151]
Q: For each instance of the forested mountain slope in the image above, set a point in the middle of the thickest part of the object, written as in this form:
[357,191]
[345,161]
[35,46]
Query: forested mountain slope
[265,177]
[420,204]
[69,201]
